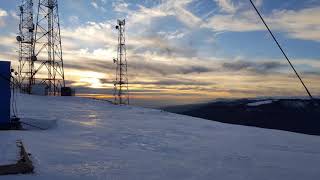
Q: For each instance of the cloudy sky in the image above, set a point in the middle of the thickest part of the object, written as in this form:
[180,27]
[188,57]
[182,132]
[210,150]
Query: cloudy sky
[184,51]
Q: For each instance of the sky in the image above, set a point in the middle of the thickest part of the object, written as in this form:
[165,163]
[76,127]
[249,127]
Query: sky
[183,51]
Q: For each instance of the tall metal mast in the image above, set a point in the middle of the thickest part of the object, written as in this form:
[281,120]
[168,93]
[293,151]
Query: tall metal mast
[26,43]
[121,87]
[48,48]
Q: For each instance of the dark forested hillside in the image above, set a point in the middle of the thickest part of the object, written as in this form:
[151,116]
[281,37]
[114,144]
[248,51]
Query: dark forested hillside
[295,115]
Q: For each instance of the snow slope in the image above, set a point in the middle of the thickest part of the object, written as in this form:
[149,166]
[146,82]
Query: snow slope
[96,140]
[8,152]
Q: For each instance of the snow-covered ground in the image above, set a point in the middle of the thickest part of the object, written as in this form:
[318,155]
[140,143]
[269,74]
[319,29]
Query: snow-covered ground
[8,152]
[258,103]
[96,140]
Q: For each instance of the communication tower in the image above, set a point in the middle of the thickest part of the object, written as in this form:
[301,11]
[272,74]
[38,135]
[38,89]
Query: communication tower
[121,87]
[26,43]
[48,48]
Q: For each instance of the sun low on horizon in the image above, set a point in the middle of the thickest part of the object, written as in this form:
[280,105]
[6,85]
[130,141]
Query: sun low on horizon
[183,51]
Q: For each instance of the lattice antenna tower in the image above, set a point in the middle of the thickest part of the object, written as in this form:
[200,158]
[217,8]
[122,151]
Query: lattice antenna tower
[121,87]
[48,48]
[26,43]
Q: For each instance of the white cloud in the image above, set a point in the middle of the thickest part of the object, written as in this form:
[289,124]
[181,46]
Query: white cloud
[95,35]
[92,33]
[14,15]
[226,6]
[171,35]
[145,15]
[233,6]
[8,41]
[186,17]
[258,3]
[235,23]
[3,14]
[73,19]
[299,24]
[120,6]
[104,1]
[180,11]
[99,5]
[94,4]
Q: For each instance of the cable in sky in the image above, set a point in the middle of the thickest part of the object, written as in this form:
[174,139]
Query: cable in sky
[284,54]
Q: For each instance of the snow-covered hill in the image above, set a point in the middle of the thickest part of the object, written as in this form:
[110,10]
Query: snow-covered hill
[96,140]
[291,114]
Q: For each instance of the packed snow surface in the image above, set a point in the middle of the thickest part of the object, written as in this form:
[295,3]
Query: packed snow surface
[96,140]
[9,152]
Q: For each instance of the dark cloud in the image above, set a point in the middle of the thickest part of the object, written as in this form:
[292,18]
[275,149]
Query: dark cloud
[263,67]
[236,66]
[172,82]
[106,81]
[316,73]
[88,90]
[140,64]
[137,64]
[195,69]
[90,64]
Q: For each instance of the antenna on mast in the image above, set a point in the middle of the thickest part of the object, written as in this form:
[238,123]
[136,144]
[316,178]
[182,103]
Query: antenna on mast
[26,43]
[121,87]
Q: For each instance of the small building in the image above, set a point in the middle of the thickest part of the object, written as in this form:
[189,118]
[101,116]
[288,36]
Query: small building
[67,91]
[5,93]
[39,89]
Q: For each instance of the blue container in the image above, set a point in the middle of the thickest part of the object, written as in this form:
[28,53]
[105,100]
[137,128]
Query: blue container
[5,93]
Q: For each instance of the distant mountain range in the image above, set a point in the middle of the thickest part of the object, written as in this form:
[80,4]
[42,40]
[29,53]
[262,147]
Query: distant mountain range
[295,115]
